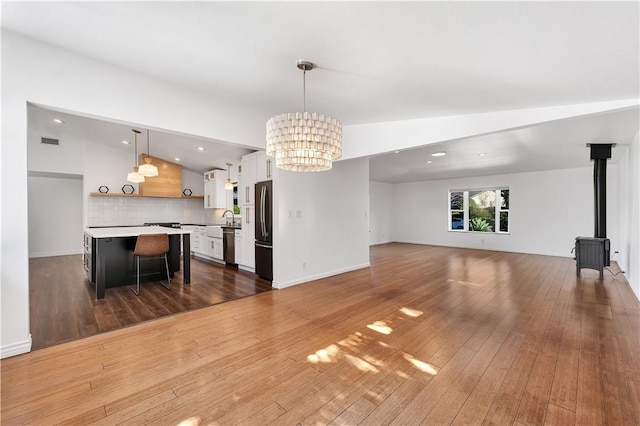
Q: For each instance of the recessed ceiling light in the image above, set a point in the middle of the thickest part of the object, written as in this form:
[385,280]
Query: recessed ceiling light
[439,154]
[126,142]
[482,154]
[429,162]
[177,159]
[396,152]
[200,148]
[57,120]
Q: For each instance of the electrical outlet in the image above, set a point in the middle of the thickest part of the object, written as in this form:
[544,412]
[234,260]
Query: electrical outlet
[304,265]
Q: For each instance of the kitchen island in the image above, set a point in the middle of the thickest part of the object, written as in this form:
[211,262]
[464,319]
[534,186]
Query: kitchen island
[109,262]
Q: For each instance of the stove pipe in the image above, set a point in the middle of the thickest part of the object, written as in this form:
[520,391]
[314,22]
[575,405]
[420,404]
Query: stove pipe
[600,153]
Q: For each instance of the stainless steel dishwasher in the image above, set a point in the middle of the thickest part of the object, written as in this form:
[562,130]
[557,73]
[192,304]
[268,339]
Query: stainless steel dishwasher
[229,244]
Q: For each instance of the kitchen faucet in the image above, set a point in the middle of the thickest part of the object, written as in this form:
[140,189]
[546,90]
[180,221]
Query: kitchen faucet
[233,219]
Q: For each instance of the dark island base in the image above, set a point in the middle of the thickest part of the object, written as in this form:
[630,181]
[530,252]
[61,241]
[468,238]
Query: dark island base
[115,264]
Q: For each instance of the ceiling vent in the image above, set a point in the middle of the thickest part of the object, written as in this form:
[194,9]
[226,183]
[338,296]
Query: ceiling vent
[50,141]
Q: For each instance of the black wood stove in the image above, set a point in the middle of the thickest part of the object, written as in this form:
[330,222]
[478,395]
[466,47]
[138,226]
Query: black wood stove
[595,253]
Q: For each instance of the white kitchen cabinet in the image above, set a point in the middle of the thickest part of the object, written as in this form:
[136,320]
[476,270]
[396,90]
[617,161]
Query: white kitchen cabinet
[214,248]
[198,239]
[247,180]
[238,247]
[264,166]
[248,237]
[215,196]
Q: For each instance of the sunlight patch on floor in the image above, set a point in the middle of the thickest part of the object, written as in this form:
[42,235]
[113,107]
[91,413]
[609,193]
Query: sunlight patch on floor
[411,312]
[352,341]
[380,327]
[463,282]
[361,364]
[421,365]
[324,355]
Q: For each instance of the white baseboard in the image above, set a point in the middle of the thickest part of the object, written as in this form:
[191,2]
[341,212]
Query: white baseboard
[54,253]
[17,348]
[246,268]
[280,285]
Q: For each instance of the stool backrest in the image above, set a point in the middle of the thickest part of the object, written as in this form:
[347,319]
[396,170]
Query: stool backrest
[151,245]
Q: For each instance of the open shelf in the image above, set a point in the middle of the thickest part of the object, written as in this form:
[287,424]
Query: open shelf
[115,194]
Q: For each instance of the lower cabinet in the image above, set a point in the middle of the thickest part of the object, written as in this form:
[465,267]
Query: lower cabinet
[248,237]
[88,261]
[204,246]
[214,248]
[238,247]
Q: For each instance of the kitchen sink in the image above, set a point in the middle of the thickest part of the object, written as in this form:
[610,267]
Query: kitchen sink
[214,231]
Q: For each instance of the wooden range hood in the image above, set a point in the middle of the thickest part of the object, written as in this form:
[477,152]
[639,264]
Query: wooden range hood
[168,183]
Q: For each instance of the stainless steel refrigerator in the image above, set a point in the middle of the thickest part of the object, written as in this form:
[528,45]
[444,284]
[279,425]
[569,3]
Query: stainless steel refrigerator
[264,236]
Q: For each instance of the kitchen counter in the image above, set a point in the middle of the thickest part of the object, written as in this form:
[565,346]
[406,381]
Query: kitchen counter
[108,255]
[133,231]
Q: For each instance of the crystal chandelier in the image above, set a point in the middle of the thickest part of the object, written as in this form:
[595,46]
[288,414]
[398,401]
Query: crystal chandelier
[304,141]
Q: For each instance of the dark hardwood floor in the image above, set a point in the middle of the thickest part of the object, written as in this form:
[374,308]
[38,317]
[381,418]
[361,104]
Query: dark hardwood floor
[63,303]
[427,335]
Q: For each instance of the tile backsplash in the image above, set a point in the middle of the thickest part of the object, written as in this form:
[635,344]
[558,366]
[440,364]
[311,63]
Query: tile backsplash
[127,211]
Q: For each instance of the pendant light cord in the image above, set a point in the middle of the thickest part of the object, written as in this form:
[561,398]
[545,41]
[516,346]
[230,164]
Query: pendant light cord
[148,151]
[304,90]
[135,149]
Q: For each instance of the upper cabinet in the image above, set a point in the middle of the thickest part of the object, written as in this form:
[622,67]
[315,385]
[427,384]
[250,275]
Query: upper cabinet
[256,167]
[247,180]
[215,196]
[264,166]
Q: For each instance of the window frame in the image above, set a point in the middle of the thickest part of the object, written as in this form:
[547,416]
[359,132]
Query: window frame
[497,210]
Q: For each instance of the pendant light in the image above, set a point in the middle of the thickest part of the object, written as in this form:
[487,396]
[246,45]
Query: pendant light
[229,185]
[148,169]
[134,176]
[303,141]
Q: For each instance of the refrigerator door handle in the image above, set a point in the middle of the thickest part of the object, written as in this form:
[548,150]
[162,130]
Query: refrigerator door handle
[263,245]
[263,200]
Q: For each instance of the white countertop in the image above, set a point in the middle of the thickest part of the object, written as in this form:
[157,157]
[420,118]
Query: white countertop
[133,231]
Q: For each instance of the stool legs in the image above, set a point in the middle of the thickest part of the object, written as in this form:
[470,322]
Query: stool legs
[136,289]
[166,264]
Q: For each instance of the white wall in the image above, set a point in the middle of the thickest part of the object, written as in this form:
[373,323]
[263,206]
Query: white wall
[76,84]
[633,194]
[548,210]
[331,235]
[55,215]
[383,211]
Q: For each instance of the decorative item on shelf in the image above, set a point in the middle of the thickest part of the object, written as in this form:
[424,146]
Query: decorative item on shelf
[303,141]
[187,192]
[128,189]
[103,189]
[148,169]
[134,176]
[229,185]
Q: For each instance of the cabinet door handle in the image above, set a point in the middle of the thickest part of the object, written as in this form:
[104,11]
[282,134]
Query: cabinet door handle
[208,200]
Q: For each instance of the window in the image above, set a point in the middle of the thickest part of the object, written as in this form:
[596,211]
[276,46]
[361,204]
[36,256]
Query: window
[483,210]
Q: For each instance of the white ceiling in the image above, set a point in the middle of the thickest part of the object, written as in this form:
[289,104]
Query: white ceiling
[171,146]
[379,61]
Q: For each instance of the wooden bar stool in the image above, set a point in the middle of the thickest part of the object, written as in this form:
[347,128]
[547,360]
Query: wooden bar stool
[148,247]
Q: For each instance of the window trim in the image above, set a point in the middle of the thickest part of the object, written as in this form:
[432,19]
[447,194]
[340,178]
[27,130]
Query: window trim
[498,209]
